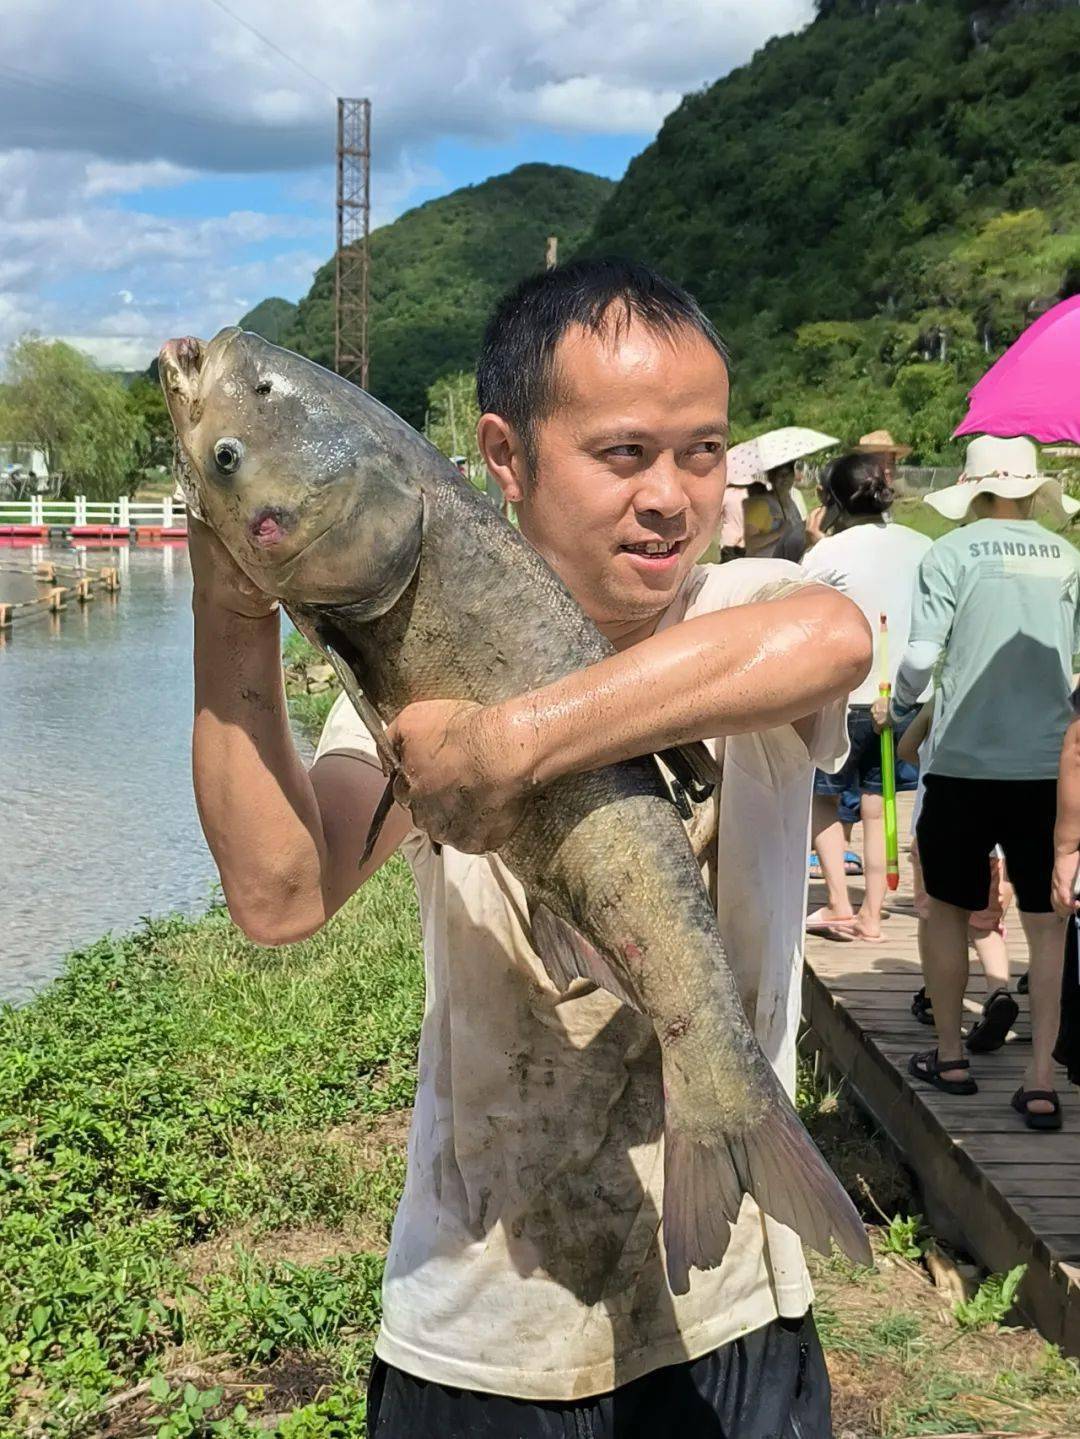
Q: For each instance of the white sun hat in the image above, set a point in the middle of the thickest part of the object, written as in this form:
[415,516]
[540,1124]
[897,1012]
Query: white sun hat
[1008,468]
[752,459]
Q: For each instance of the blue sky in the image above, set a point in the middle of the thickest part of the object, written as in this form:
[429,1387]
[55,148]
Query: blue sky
[166,167]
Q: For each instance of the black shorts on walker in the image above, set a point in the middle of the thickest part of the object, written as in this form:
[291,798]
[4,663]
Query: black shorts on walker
[961,821]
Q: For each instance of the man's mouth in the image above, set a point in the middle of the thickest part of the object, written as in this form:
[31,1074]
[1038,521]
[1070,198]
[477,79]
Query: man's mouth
[654,554]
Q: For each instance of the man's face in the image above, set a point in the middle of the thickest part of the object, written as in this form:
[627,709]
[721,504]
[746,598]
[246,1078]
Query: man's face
[630,468]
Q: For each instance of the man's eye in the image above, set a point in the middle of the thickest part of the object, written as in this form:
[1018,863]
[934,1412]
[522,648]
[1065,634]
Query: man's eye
[625,452]
[708,447]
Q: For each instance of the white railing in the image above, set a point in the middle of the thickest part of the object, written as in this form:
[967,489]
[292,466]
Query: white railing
[124,512]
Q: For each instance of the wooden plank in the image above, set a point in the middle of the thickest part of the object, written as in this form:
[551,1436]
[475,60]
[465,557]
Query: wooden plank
[948,1167]
[1009,1194]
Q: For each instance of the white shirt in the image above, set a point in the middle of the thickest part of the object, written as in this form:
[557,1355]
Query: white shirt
[526,1256]
[875,565]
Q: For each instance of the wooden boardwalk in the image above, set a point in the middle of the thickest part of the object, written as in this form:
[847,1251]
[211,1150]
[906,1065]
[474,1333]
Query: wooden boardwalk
[1007,1194]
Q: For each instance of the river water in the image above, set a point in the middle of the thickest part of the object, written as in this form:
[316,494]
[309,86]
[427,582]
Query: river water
[97,819]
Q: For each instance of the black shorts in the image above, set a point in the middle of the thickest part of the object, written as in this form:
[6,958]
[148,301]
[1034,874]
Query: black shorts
[963,819]
[771,1384]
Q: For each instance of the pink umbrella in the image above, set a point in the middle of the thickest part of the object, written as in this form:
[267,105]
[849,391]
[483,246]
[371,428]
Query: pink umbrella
[1034,389]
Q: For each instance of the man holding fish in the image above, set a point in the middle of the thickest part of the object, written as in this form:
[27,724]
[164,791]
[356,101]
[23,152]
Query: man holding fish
[596,1235]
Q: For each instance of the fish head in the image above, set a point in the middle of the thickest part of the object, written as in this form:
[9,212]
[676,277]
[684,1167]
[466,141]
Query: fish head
[309,482]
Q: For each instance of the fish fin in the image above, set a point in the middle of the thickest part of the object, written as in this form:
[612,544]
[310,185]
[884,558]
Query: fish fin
[378,819]
[567,955]
[779,1166]
[323,638]
[694,768]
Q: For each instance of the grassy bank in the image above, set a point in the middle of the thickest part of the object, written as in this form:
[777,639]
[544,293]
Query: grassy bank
[201,1148]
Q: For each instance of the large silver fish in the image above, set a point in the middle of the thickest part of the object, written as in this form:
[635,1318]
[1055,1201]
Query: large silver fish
[417,589]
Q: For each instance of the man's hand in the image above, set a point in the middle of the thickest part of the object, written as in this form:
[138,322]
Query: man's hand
[219,580]
[1062,890]
[457,773]
[879,714]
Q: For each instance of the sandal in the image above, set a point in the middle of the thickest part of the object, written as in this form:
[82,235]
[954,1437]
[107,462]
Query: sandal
[852,865]
[999,1013]
[1023,1097]
[826,927]
[928,1067]
[922,1007]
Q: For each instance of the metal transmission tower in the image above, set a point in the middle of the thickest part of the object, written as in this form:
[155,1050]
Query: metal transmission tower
[351,260]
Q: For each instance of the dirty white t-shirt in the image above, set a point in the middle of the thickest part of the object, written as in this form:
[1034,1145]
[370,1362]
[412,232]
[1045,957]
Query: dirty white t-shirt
[526,1256]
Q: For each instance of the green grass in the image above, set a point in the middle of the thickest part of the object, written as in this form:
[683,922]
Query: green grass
[181,1085]
[201,1151]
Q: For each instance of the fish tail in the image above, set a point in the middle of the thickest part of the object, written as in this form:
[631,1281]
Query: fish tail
[779,1165]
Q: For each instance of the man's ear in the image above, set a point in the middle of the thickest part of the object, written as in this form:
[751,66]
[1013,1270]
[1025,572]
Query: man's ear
[504,456]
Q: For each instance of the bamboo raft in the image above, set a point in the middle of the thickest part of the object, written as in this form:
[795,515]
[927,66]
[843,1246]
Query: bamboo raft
[1007,1195]
[49,588]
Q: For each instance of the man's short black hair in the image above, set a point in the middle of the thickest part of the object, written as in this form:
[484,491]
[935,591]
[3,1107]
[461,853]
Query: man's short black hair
[516,378]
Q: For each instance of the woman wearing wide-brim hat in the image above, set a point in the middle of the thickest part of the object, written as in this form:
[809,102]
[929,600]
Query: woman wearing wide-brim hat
[1008,469]
[762,516]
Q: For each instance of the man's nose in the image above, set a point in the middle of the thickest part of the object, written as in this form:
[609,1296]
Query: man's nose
[660,490]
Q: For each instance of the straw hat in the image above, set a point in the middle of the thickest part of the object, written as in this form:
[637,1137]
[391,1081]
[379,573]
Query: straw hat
[753,459]
[1009,468]
[880,442]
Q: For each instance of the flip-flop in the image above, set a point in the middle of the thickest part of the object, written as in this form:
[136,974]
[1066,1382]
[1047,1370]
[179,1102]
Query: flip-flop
[825,926]
[1023,1097]
[999,1013]
[852,863]
[927,1066]
[868,938]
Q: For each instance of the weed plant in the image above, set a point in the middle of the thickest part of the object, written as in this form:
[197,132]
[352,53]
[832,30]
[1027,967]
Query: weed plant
[172,1087]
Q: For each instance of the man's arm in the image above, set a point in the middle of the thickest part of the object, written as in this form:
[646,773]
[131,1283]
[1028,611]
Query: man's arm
[932,613]
[287,842]
[464,768]
[1067,828]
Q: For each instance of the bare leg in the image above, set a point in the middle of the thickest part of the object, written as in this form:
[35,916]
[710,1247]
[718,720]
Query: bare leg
[944,952]
[993,955]
[828,839]
[1045,934]
[872,809]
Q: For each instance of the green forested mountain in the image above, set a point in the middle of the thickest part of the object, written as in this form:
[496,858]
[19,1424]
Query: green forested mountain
[871,209]
[270,318]
[436,271]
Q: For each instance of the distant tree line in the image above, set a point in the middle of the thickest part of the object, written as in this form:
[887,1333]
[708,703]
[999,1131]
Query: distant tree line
[96,431]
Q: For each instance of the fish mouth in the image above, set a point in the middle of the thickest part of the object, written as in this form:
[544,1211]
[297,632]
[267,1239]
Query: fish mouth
[271,526]
[181,365]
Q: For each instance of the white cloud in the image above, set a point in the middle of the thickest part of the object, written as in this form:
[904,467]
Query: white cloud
[594,102]
[190,86]
[108,110]
[106,178]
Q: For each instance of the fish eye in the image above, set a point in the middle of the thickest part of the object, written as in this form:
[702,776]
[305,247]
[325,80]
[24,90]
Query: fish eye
[227,455]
